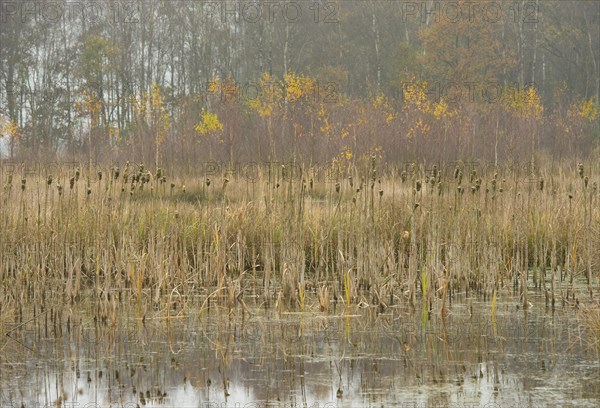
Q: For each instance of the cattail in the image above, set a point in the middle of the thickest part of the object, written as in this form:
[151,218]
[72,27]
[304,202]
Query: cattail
[49,179]
[116,173]
[418,185]
[59,188]
[163,179]
[207,182]
[337,187]
[89,190]
[23,181]
[570,196]
[586,180]
[159,173]
[373,168]
[403,176]
[77,174]
[580,169]
[473,175]
[541,184]
[456,172]
[99,176]
[435,171]
[440,187]
[494,184]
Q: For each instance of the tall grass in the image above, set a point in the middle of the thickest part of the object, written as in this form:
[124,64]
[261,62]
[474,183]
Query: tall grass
[371,232]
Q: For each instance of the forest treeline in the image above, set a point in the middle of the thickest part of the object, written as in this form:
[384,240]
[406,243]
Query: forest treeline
[182,81]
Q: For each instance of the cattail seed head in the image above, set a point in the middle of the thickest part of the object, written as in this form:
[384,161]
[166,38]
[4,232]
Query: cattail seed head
[207,182]
[89,191]
[23,181]
[116,173]
[99,176]
[541,184]
[570,196]
[59,188]
[49,179]
[77,174]
[418,185]
[586,180]
[473,175]
[337,187]
[580,169]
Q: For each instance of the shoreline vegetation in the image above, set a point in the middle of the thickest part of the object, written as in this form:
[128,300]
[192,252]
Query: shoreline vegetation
[371,235]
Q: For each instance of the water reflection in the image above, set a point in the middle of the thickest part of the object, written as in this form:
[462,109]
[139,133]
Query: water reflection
[353,357]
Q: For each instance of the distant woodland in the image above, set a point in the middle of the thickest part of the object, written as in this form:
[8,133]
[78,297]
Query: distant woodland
[182,81]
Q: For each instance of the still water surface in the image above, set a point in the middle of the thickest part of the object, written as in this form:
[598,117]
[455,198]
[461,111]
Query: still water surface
[257,357]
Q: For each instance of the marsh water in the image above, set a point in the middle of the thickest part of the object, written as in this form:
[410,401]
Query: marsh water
[205,354]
